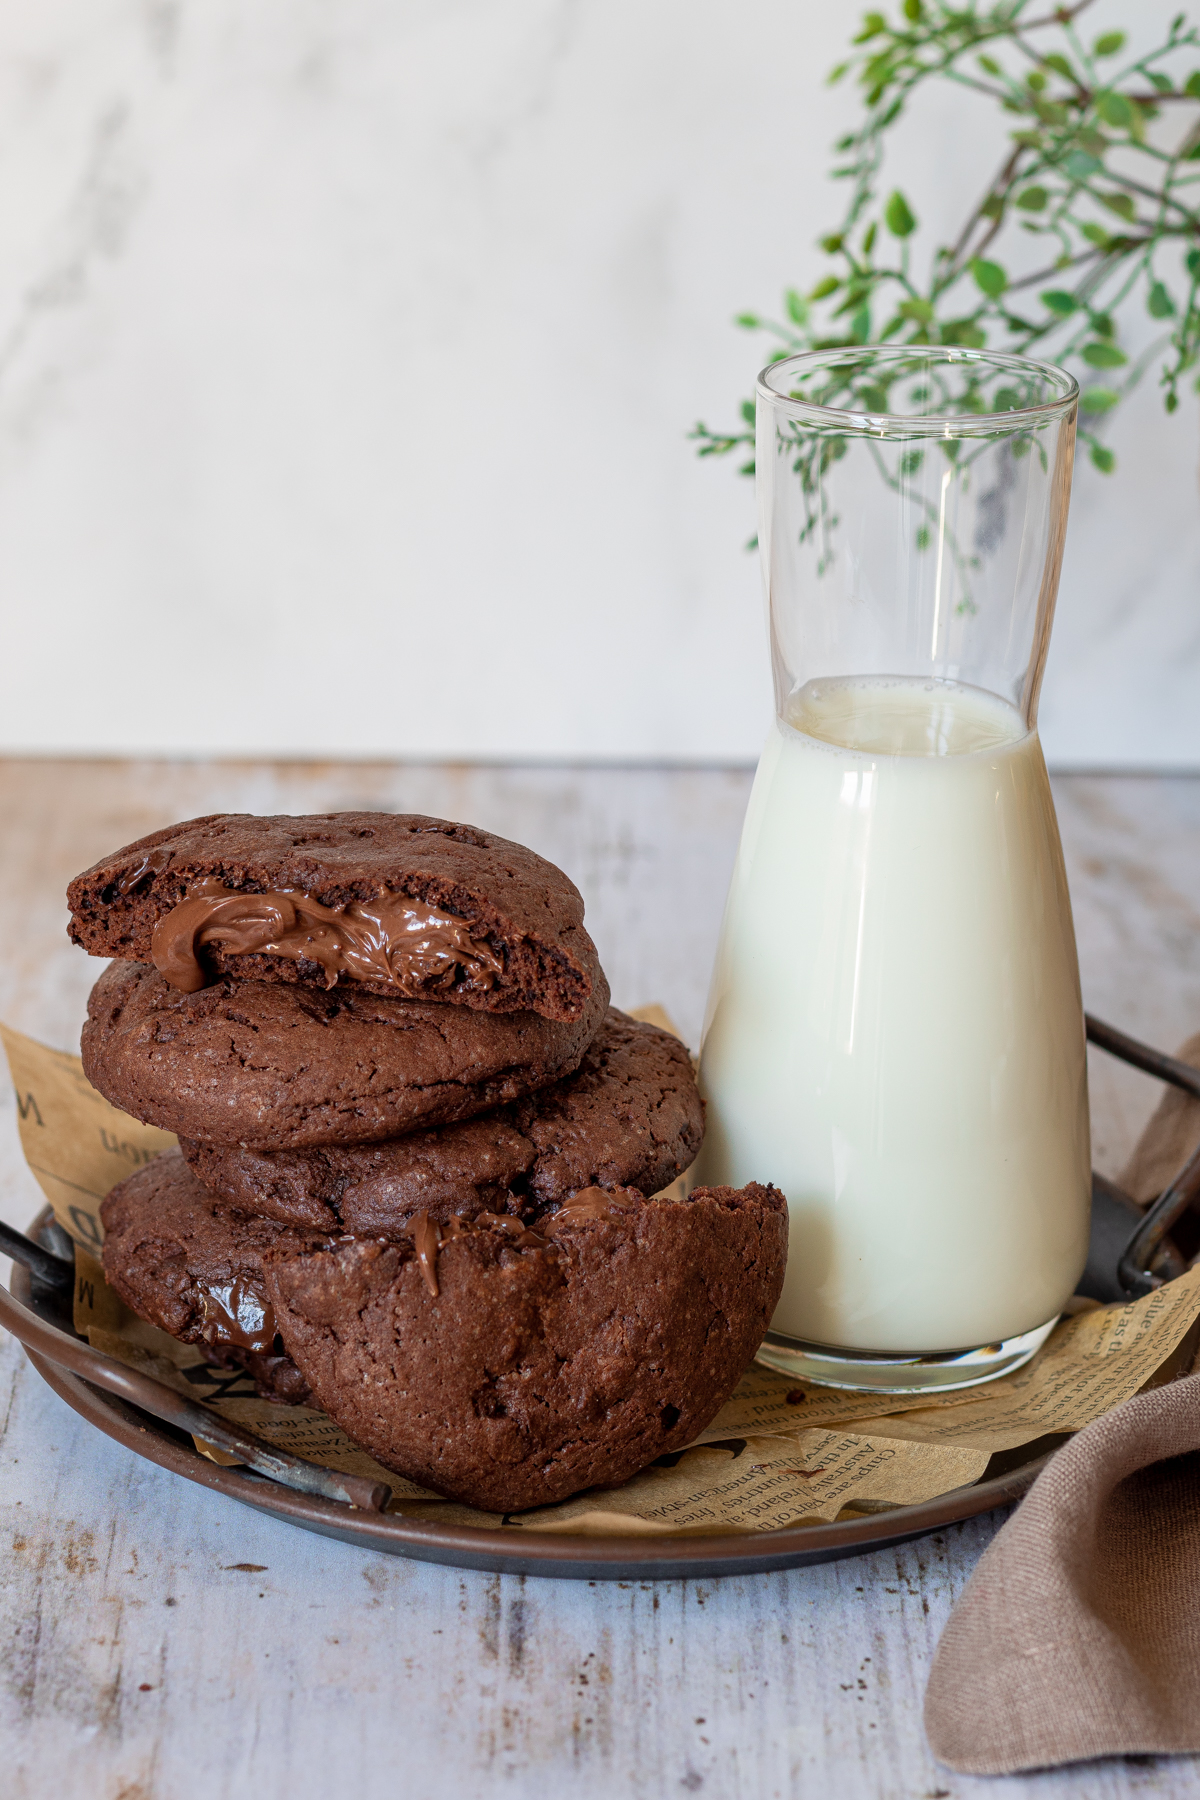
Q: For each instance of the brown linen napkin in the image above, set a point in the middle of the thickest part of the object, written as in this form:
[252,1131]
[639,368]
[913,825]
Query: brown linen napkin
[1078,1635]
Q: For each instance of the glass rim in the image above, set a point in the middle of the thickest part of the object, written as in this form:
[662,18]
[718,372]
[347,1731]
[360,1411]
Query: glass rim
[920,424]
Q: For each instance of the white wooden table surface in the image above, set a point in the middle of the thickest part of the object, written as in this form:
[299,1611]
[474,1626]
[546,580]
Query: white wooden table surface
[158,1642]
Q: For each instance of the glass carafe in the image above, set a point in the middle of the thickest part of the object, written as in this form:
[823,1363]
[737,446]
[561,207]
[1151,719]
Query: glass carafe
[894,1034]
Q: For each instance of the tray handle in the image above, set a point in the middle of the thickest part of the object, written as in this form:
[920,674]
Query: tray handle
[1133,1265]
[192,1416]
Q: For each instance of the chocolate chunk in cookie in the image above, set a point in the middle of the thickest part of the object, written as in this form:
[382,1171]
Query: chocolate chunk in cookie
[195,1270]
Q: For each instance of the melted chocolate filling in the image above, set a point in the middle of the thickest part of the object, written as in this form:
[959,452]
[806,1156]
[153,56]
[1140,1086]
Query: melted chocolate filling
[586,1207]
[238,1314]
[428,1237]
[414,947]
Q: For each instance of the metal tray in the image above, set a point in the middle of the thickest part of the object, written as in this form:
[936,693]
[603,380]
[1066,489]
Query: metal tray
[518,1552]
[1130,1253]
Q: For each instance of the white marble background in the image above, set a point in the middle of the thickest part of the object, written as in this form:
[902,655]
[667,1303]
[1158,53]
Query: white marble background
[347,352]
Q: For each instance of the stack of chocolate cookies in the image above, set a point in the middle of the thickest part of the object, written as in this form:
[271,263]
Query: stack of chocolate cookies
[418,1150]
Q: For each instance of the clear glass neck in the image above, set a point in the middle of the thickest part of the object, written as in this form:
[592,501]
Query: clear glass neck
[912,516]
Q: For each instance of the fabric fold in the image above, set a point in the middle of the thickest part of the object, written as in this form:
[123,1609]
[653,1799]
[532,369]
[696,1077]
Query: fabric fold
[1078,1635]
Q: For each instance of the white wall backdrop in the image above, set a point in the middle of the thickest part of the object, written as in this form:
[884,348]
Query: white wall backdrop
[347,352]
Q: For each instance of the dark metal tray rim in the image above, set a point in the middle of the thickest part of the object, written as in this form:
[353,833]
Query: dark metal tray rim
[561,1555]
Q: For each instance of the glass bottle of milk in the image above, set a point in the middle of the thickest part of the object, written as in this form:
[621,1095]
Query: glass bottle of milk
[895,1033]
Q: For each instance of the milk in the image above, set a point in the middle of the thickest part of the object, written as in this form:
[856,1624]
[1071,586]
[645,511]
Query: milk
[894,1032]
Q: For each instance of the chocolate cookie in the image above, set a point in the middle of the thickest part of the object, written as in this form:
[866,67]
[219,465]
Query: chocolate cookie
[394,903]
[279,1066]
[510,1367]
[196,1270]
[504,1364]
[630,1116]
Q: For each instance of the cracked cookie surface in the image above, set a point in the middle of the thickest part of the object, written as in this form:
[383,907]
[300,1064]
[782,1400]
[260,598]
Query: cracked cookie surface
[630,1116]
[536,1372]
[278,1065]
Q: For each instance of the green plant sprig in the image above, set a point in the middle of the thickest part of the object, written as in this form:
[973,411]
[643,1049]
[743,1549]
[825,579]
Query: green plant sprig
[1083,172]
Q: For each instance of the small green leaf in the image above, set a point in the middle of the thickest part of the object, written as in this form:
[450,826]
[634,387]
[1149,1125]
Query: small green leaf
[1006,399]
[873,23]
[860,325]
[964,331]
[916,309]
[1103,458]
[1159,303]
[1109,43]
[1098,399]
[856,293]
[1060,65]
[897,217]
[833,243]
[1096,234]
[993,207]
[1163,83]
[748,411]
[828,285]
[1036,80]
[1115,110]
[1171,401]
[1058,302]
[1033,199]
[748,321]
[871,233]
[874,399]
[912,11]
[990,66]
[1081,163]
[1192,84]
[990,277]
[1118,203]
[834,76]
[924,537]
[911,461]
[1104,356]
[1193,263]
[797,307]
[1103,325]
